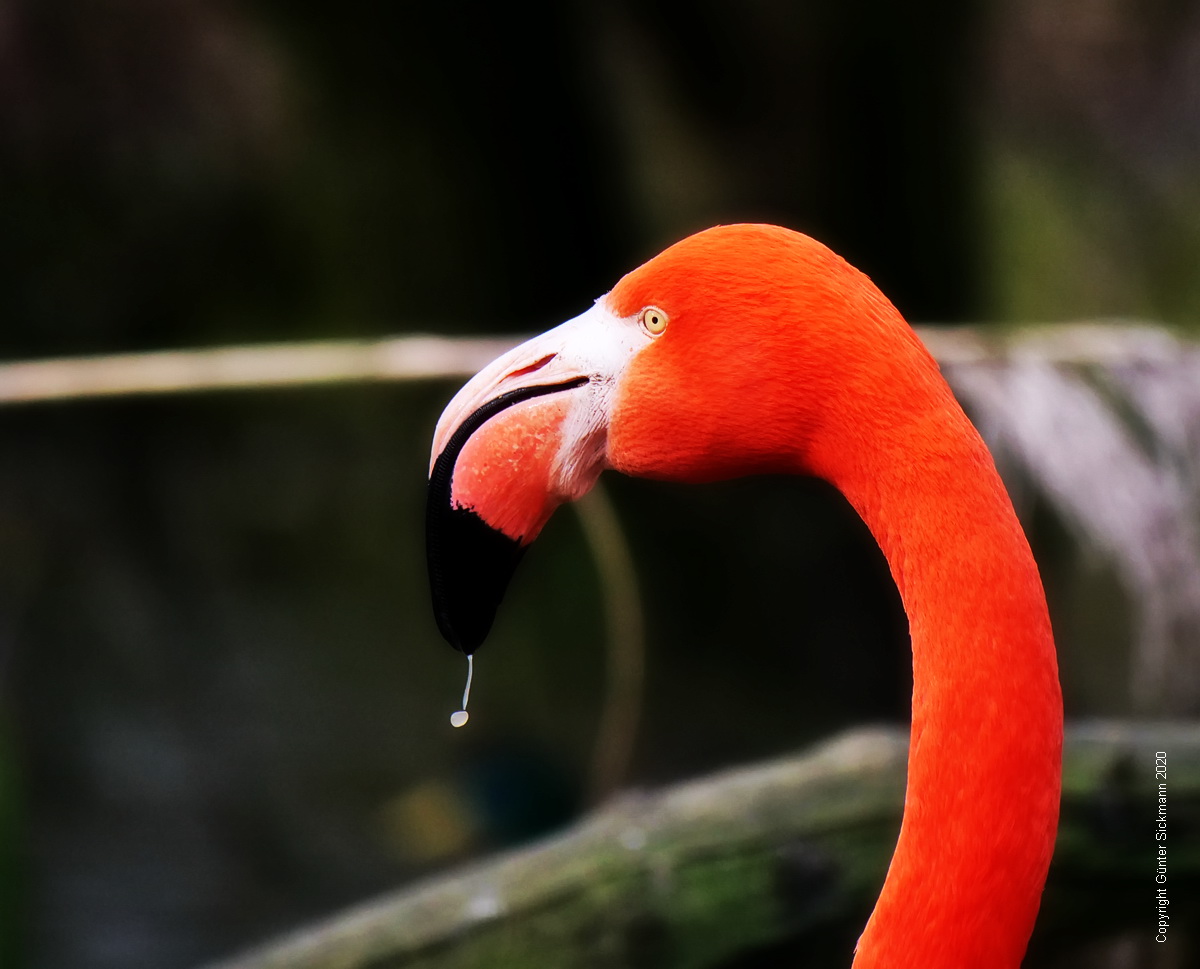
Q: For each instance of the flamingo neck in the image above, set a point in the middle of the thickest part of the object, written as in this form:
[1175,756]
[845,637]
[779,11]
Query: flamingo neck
[984,768]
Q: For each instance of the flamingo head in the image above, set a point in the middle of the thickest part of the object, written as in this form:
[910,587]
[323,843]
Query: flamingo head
[724,355]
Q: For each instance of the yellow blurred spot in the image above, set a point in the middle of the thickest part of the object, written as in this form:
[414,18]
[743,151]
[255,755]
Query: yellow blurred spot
[426,823]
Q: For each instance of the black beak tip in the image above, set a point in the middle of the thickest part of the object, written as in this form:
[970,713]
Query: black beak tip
[470,565]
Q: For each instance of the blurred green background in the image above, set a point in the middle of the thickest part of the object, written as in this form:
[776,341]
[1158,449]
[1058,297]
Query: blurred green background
[224,697]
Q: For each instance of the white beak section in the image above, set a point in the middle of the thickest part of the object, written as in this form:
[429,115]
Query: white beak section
[597,346]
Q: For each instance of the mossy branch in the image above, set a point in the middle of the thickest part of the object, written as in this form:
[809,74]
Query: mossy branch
[691,875]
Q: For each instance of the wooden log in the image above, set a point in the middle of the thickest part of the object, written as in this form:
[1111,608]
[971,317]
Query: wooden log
[694,874]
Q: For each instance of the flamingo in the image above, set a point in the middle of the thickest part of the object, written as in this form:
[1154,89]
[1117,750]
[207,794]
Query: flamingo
[748,349]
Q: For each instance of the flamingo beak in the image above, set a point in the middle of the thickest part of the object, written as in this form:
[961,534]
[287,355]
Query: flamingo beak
[524,435]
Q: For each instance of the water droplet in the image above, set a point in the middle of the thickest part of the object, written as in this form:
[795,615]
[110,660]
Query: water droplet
[459,717]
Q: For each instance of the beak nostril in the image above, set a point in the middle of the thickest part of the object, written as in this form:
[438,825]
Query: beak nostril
[533,367]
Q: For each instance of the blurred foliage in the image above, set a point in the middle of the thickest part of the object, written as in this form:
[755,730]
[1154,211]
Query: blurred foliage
[1090,167]
[12,867]
[218,660]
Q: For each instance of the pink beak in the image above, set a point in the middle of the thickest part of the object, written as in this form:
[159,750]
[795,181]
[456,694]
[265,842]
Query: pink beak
[527,433]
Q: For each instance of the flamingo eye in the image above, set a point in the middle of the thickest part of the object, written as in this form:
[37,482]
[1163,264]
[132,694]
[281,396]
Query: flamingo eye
[654,320]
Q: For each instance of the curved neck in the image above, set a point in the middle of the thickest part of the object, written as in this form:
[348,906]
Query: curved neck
[984,769]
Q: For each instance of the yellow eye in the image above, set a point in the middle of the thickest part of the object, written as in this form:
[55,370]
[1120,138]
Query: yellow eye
[654,320]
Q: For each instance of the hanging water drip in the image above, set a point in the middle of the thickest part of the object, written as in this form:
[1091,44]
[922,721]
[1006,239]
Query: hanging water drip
[459,717]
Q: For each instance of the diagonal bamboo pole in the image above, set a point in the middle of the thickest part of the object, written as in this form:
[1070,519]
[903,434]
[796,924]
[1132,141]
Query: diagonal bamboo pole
[247,367]
[419,357]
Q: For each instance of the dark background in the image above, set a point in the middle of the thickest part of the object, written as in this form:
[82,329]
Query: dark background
[224,697]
